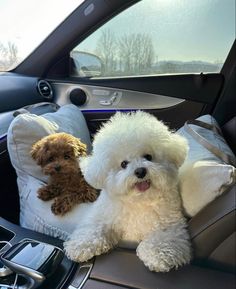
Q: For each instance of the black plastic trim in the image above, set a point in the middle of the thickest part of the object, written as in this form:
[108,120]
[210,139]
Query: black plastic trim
[17,91]
[225,108]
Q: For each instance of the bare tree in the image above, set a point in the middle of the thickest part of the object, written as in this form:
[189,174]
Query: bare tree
[125,53]
[131,54]
[106,50]
[136,53]
[8,55]
[12,52]
[3,56]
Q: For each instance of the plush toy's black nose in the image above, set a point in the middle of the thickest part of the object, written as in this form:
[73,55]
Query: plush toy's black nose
[57,168]
[140,172]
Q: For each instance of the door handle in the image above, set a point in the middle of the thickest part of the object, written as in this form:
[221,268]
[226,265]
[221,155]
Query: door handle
[115,97]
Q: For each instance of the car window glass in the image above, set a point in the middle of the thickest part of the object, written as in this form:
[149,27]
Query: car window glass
[159,37]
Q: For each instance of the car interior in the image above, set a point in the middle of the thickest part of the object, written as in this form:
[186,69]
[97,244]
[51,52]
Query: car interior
[48,75]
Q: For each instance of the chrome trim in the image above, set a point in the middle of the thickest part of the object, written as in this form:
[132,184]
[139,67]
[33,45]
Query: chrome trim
[49,86]
[3,152]
[99,98]
[85,265]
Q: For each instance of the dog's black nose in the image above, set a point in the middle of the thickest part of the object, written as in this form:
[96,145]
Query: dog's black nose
[57,168]
[140,173]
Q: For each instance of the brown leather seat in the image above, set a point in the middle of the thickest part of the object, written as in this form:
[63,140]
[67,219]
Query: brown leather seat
[213,233]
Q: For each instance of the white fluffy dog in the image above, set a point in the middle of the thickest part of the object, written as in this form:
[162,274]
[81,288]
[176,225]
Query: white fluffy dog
[135,163]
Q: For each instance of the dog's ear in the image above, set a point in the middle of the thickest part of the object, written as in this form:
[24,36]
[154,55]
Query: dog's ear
[38,151]
[92,170]
[80,148]
[177,149]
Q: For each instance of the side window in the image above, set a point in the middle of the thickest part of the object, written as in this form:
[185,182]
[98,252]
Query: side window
[159,37]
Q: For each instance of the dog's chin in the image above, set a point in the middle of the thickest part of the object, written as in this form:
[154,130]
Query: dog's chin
[46,172]
[50,173]
[142,186]
[62,174]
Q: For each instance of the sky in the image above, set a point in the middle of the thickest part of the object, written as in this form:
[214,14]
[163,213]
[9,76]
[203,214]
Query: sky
[27,22]
[180,29]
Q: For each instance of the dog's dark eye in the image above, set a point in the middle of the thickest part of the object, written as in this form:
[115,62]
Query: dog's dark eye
[124,164]
[51,159]
[66,157]
[148,157]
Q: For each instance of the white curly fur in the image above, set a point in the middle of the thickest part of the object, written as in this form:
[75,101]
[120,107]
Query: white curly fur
[150,216]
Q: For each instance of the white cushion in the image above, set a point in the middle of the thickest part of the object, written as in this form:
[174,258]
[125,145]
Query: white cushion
[203,176]
[23,132]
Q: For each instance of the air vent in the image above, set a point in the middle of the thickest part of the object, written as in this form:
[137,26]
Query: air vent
[45,89]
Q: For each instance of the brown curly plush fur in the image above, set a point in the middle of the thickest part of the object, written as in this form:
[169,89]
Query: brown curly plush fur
[57,155]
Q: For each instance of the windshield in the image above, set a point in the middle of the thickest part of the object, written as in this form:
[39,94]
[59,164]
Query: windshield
[25,24]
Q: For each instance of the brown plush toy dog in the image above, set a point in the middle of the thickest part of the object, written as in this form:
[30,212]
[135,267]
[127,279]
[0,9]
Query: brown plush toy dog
[57,155]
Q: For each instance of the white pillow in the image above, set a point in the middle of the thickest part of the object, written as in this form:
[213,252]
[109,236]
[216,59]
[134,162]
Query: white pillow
[23,132]
[203,176]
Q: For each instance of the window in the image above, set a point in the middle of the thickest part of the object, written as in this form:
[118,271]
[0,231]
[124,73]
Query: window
[160,37]
[25,24]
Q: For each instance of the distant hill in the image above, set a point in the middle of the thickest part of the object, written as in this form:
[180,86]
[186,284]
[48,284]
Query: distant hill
[173,66]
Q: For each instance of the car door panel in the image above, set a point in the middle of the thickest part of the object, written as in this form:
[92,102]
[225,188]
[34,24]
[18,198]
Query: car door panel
[196,87]
[106,98]
[184,96]
[166,108]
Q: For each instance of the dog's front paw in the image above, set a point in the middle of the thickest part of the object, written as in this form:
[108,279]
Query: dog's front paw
[78,251]
[92,194]
[44,194]
[60,206]
[81,251]
[163,257]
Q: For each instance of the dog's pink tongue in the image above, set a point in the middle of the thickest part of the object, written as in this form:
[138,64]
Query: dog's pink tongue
[143,186]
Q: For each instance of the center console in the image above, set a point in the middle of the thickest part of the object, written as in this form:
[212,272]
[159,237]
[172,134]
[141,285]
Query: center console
[14,234]
[118,269]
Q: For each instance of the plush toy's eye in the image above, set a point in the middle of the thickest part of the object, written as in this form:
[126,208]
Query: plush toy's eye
[66,157]
[148,157]
[124,164]
[51,159]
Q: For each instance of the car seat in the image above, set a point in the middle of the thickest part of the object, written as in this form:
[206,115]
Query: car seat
[213,229]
